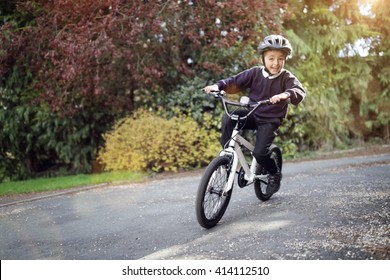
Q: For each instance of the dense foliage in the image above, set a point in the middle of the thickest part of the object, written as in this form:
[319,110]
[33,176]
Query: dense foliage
[70,69]
[147,141]
[347,96]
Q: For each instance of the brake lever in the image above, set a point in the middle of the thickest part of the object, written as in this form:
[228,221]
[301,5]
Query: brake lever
[265,102]
[217,93]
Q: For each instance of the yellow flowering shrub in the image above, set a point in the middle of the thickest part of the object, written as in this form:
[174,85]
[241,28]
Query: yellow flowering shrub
[148,142]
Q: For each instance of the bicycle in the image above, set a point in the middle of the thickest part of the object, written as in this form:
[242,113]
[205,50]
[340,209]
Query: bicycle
[216,185]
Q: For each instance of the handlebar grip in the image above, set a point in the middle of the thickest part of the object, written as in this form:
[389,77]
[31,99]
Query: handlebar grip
[267,102]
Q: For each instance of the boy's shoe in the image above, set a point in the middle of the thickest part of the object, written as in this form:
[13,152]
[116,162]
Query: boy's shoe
[274,183]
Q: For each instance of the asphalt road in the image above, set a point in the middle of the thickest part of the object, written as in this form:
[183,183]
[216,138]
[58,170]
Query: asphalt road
[325,209]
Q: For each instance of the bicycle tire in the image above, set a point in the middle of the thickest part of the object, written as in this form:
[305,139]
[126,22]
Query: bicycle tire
[260,185]
[211,204]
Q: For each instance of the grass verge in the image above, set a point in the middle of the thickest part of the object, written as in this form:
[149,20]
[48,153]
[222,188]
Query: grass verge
[66,182]
[116,177]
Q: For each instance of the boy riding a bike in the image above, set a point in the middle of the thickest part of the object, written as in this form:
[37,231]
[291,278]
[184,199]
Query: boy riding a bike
[270,81]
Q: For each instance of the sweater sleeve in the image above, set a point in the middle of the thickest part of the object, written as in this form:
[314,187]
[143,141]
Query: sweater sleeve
[238,82]
[295,89]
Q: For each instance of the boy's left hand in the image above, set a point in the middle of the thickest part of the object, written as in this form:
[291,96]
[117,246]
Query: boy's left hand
[279,97]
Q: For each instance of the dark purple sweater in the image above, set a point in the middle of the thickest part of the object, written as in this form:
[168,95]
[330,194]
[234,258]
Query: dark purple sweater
[262,86]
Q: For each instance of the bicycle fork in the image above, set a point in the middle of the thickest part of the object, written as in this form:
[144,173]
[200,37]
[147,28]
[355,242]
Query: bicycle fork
[233,167]
[237,155]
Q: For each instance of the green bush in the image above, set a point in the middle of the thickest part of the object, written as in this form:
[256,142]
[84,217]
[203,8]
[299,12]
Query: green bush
[149,142]
[35,142]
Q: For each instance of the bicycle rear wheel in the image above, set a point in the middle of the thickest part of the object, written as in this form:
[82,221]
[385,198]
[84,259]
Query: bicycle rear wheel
[211,203]
[261,185]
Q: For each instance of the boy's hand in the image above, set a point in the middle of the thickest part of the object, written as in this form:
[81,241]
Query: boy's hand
[211,88]
[279,97]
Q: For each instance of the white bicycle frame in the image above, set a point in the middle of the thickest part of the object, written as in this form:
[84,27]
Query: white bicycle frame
[236,141]
[234,149]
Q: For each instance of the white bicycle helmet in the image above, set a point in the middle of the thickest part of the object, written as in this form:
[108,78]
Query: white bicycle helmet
[275,42]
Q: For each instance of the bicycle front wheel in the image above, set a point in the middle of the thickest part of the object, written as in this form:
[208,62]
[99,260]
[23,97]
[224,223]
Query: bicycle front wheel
[211,202]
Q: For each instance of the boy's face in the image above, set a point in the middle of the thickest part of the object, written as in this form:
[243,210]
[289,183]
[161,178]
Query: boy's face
[274,61]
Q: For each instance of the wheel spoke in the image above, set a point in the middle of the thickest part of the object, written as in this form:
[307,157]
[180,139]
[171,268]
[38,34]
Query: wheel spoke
[211,201]
[214,198]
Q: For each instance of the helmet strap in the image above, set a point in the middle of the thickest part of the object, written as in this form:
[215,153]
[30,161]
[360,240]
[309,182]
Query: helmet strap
[265,67]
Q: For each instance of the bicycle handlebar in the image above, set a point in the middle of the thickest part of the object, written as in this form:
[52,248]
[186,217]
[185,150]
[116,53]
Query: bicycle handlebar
[253,106]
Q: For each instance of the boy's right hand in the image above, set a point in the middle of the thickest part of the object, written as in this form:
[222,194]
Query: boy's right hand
[211,88]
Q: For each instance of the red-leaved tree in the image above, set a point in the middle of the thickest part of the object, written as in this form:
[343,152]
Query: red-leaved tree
[69,68]
[97,53]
